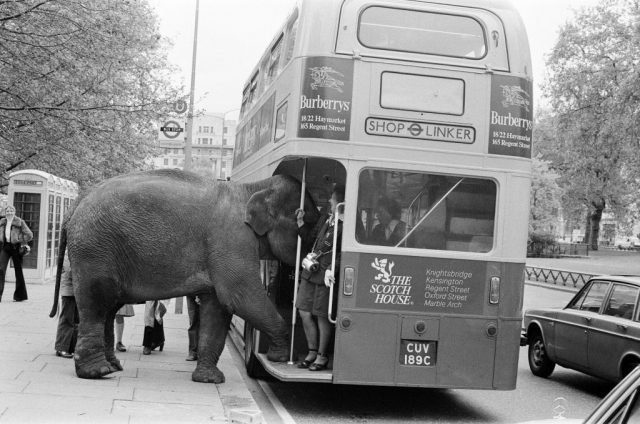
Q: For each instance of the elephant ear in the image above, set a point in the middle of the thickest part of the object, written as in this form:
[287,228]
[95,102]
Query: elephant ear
[258,215]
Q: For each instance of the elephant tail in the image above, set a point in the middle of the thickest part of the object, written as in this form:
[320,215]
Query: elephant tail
[61,252]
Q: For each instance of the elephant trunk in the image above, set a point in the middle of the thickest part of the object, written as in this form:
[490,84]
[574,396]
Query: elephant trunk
[61,253]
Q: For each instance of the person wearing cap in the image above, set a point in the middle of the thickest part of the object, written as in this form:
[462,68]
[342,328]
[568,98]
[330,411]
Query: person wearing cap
[14,236]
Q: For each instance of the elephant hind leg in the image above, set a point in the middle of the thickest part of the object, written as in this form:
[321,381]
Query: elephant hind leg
[96,302]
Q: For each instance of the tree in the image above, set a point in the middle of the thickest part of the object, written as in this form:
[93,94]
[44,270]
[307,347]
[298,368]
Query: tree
[592,85]
[83,84]
[545,197]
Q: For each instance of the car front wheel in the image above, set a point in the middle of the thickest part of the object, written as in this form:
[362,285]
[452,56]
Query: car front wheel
[539,362]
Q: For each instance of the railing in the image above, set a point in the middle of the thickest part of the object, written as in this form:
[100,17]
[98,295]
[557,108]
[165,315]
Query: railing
[557,276]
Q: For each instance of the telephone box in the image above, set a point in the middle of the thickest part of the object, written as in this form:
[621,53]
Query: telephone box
[42,200]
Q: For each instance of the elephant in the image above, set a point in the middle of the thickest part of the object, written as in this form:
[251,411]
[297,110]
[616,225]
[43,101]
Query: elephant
[169,233]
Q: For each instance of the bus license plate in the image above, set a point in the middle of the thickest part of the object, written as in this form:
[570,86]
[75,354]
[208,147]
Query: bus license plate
[418,353]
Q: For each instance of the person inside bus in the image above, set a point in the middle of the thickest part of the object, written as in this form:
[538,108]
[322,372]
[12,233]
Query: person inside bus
[390,229]
[313,300]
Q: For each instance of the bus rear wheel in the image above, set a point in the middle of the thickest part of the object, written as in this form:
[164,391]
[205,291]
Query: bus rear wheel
[539,362]
[252,365]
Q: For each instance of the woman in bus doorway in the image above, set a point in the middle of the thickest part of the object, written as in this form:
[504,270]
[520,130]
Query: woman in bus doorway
[313,295]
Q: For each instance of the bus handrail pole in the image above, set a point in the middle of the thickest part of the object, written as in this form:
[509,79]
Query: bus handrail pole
[333,263]
[433,208]
[297,273]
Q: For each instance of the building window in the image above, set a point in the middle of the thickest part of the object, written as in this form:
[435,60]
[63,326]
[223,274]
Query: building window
[166,161]
[224,141]
[224,130]
[175,161]
[200,129]
[206,129]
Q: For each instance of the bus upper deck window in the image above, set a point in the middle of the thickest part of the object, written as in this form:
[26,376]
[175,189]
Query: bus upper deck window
[415,31]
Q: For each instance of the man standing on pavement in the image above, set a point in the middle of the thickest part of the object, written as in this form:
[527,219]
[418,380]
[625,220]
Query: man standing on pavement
[14,236]
[193,308]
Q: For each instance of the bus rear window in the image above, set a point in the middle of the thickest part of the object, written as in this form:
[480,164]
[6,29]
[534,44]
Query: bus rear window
[426,211]
[421,32]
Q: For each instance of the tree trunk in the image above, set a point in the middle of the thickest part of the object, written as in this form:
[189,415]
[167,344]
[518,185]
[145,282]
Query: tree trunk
[587,229]
[594,222]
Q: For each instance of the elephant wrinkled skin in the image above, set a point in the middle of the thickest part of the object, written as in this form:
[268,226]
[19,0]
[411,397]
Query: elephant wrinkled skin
[163,234]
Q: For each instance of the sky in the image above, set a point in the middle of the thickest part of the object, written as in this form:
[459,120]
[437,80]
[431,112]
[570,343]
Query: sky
[233,35]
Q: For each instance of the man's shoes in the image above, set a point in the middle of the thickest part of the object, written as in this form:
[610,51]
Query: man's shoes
[192,356]
[63,354]
[146,351]
[120,347]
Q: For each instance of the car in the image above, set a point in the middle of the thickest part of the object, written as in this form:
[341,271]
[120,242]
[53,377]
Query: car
[620,406]
[597,333]
[628,243]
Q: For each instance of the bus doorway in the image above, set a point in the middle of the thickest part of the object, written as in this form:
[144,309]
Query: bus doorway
[319,176]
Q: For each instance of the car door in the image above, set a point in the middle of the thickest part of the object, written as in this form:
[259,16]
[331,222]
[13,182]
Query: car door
[574,323]
[612,332]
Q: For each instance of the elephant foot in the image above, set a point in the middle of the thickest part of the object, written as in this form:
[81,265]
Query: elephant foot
[94,365]
[115,362]
[207,375]
[278,354]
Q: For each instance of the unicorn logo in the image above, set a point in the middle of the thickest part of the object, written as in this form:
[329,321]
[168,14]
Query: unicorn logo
[384,267]
[325,76]
[514,95]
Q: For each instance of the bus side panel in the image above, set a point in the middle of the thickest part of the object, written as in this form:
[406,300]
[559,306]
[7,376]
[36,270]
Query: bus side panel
[509,326]
[507,354]
[511,290]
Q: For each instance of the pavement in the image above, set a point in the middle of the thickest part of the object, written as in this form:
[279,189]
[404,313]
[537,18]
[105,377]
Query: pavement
[38,387]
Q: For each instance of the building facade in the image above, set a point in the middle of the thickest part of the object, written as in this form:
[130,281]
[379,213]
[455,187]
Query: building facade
[213,141]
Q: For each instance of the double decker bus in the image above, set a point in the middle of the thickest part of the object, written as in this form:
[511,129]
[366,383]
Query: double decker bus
[425,106]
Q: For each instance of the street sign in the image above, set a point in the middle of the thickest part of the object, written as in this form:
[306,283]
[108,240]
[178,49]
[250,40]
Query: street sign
[420,130]
[180,106]
[171,129]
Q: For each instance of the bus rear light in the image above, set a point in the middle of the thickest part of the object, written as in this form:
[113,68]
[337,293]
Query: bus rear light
[345,323]
[349,277]
[492,329]
[494,290]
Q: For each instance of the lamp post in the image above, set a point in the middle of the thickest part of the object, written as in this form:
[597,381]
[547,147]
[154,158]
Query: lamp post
[189,139]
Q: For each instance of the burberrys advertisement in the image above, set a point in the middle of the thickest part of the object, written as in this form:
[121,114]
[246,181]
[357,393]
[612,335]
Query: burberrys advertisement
[325,99]
[511,116]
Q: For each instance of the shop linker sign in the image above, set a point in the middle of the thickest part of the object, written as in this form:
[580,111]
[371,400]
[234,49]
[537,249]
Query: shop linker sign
[419,285]
[511,116]
[325,99]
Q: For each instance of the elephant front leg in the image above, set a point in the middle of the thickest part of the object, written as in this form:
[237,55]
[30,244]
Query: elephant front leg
[258,310]
[212,334]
